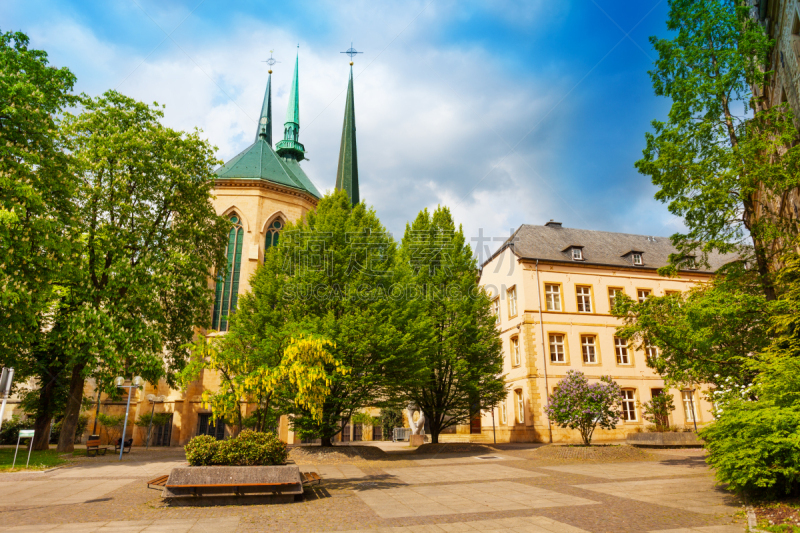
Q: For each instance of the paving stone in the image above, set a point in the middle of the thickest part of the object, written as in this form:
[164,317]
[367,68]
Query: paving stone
[453,474]
[626,471]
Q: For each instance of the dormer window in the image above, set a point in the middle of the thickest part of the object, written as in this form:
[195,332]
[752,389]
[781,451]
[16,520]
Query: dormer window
[691,263]
[637,258]
[574,251]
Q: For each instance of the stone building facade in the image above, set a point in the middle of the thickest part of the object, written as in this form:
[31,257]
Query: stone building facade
[553,289]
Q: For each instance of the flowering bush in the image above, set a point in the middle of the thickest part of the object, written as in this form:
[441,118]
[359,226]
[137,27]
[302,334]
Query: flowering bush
[578,405]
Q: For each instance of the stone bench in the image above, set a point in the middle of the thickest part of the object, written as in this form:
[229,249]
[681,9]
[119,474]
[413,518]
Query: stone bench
[234,481]
[664,439]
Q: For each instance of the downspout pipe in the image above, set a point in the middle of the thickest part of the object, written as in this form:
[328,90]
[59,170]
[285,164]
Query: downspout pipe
[544,350]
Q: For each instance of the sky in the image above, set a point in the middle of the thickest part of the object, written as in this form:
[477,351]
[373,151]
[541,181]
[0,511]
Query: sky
[508,113]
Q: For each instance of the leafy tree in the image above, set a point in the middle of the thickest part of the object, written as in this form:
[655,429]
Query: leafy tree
[578,405]
[391,417]
[705,335]
[36,214]
[454,350]
[717,165]
[657,410]
[302,365]
[112,424]
[136,283]
[329,278]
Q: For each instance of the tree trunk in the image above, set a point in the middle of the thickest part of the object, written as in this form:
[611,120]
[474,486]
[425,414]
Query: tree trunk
[326,442]
[434,436]
[66,441]
[44,410]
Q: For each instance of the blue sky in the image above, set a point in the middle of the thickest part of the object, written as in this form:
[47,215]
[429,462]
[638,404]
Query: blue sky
[507,112]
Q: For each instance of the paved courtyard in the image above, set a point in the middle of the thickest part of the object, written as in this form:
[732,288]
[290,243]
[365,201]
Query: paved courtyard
[517,489]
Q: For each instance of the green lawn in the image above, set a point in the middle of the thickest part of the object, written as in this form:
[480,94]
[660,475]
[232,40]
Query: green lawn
[39,460]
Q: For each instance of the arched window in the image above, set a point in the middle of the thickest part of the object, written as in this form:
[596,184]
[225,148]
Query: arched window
[227,292]
[273,231]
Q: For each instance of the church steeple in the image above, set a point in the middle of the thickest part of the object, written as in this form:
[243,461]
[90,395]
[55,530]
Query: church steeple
[265,121]
[289,147]
[347,172]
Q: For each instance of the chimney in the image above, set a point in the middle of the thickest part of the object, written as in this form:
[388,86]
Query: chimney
[552,224]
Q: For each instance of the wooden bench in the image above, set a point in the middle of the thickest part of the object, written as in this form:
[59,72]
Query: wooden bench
[128,444]
[310,477]
[94,446]
[158,483]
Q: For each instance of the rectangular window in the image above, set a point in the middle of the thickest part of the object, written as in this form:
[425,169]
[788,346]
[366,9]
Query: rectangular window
[651,351]
[512,302]
[496,308]
[612,297]
[503,413]
[637,259]
[688,405]
[515,359]
[642,294]
[577,254]
[520,406]
[628,405]
[621,347]
[557,349]
[584,295]
[672,293]
[588,348]
[553,296]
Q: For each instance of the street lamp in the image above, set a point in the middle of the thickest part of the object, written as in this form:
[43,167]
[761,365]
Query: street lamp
[152,398]
[135,384]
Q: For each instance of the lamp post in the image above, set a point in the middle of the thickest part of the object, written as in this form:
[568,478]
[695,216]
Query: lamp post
[152,398]
[135,384]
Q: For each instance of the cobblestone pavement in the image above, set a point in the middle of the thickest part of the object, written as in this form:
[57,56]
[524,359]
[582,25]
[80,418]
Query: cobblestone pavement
[516,490]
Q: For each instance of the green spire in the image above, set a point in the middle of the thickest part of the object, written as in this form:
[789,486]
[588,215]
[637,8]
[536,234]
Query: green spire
[347,173]
[289,147]
[265,122]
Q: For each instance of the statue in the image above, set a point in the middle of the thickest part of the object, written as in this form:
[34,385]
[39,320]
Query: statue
[418,427]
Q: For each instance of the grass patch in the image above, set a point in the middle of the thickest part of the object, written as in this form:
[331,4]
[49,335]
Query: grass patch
[40,460]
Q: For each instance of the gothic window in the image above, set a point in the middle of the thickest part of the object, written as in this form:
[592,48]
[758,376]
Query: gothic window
[273,232]
[227,292]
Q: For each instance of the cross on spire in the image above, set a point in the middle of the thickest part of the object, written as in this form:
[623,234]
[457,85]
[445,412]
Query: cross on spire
[351,52]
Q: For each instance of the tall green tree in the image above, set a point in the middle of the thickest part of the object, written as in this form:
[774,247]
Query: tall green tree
[329,277]
[36,213]
[715,163]
[136,283]
[453,348]
[709,334]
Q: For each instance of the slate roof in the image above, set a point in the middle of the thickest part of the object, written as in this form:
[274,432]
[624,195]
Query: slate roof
[259,161]
[553,243]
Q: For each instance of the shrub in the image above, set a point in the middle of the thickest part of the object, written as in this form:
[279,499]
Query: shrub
[10,430]
[578,405]
[657,410]
[249,448]
[754,444]
[202,451]
[112,424]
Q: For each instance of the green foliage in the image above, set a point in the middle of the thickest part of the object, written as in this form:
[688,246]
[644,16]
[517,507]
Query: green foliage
[576,404]
[705,335]
[202,450]
[453,350]
[391,417]
[754,445]
[80,429]
[328,279]
[159,419]
[365,419]
[10,430]
[112,424]
[714,163]
[657,410]
[249,448]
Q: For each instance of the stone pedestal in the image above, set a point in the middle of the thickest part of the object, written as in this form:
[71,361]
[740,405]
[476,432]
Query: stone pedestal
[416,440]
[235,481]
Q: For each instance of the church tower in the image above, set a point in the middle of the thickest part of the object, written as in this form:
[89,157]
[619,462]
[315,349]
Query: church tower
[259,191]
[347,171]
